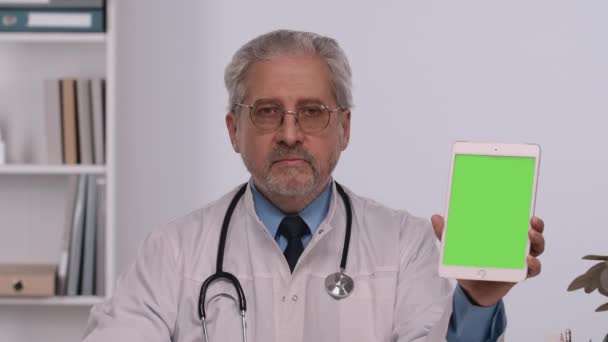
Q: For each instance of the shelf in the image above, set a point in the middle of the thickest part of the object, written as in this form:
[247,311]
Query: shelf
[31,169]
[27,37]
[54,301]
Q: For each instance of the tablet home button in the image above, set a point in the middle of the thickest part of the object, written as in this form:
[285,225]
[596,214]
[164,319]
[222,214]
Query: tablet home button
[481,274]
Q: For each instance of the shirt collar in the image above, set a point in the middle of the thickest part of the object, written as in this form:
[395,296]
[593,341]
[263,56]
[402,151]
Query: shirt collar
[271,216]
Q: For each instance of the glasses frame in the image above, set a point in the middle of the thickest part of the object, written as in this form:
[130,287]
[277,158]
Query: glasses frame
[295,113]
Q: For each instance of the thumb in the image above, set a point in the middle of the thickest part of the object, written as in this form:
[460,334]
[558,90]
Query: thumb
[437,222]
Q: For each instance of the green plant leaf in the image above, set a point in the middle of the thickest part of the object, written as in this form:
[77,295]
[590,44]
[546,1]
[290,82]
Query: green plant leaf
[603,307]
[602,291]
[595,257]
[578,283]
[596,270]
[593,283]
[589,280]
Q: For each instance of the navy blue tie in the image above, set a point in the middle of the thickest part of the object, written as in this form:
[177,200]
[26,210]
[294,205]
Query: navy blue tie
[293,228]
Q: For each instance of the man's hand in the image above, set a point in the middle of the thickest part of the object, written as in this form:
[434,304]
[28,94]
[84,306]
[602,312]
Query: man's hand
[487,293]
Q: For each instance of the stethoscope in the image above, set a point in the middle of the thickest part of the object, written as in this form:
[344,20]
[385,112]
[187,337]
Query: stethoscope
[338,285]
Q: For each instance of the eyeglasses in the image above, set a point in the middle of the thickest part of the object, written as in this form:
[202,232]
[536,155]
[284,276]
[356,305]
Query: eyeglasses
[269,116]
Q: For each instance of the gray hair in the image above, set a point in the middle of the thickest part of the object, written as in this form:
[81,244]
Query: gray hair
[288,43]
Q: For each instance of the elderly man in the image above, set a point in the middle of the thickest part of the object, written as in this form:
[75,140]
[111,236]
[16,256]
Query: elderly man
[286,230]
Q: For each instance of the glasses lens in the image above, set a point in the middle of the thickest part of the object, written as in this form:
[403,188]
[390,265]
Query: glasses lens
[266,116]
[313,118]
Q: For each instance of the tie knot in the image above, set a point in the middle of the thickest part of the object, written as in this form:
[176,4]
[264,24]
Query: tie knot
[293,228]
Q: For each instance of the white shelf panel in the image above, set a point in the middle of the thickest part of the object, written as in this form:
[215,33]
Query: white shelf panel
[52,301]
[26,37]
[25,169]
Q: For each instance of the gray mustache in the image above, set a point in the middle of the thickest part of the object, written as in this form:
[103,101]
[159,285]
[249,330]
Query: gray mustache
[282,152]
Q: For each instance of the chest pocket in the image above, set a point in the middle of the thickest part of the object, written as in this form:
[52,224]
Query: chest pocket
[366,315]
[370,312]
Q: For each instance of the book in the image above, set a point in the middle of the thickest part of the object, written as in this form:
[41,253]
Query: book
[69,124]
[52,3]
[87,273]
[52,20]
[85,124]
[54,153]
[100,256]
[76,239]
[98,113]
[62,267]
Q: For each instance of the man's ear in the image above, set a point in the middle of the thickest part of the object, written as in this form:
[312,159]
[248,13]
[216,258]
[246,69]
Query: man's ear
[232,123]
[345,122]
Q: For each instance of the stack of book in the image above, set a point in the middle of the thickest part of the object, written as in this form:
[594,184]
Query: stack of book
[75,121]
[81,263]
[52,16]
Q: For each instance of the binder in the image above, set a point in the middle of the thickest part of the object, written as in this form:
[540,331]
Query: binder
[85,125]
[51,20]
[98,113]
[64,256]
[52,4]
[88,258]
[100,239]
[52,95]
[68,120]
[76,239]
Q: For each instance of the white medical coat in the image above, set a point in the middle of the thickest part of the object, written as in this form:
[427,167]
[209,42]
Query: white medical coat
[393,259]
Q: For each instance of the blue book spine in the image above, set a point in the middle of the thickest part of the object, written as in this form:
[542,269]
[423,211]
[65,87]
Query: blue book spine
[52,20]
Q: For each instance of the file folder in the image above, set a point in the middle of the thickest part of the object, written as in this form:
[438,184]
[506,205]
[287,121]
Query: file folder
[36,20]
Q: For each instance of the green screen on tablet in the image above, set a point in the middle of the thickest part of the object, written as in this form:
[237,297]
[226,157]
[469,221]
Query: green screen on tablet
[489,211]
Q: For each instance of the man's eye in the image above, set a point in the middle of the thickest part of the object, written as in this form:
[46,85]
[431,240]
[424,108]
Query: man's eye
[267,111]
[311,111]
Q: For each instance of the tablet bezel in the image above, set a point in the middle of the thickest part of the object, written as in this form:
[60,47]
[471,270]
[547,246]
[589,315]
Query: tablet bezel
[491,149]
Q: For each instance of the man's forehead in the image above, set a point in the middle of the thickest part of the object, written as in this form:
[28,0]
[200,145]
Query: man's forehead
[298,101]
[290,79]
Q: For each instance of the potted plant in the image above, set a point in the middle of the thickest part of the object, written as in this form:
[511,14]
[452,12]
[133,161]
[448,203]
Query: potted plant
[596,278]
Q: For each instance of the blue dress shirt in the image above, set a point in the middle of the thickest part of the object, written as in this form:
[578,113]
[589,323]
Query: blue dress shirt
[469,322]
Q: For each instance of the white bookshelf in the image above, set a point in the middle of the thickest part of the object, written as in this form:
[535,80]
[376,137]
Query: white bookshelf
[32,193]
[53,301]
[98,38]
[25,169]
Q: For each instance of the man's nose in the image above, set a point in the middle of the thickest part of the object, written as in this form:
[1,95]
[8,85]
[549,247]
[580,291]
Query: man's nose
[290,132]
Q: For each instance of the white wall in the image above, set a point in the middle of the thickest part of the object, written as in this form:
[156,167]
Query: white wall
[426,73]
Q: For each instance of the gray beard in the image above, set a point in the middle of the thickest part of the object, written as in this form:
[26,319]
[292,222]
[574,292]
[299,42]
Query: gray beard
[286,184]
[289,188]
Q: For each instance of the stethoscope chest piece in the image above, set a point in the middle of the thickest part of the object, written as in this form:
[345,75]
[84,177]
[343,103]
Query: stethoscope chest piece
[339,285]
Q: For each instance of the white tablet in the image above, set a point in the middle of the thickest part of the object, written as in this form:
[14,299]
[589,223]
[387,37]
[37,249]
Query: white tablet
[491,194]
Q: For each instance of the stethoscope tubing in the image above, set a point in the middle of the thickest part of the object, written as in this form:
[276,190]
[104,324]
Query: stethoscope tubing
[219,273]
[349,222]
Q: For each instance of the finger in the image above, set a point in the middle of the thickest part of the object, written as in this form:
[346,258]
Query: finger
[537,224]
[437,222]
[534,266]
[537,243]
